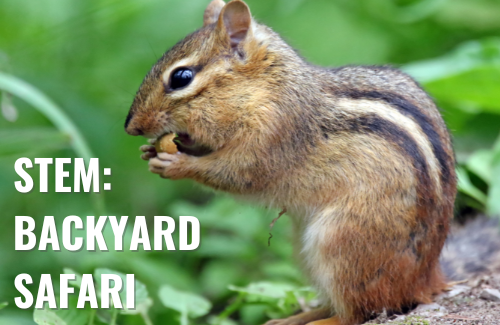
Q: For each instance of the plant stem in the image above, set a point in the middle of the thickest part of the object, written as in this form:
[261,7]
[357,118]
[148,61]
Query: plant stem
[92,316]
[58,117]
[234,306]
[146,318]
[184,317]
[114,316]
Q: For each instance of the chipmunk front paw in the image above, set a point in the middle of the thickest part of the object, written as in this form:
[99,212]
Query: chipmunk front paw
[173,166]
[149,151]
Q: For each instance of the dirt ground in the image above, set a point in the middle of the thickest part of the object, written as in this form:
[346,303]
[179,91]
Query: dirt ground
[474,302]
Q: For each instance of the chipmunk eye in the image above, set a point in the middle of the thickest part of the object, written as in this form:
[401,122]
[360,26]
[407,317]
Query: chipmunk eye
[180,78]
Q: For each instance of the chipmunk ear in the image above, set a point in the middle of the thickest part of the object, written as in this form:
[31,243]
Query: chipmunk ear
[212,12]
[236,19]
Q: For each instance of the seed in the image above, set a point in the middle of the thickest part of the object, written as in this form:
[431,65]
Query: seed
[166,144]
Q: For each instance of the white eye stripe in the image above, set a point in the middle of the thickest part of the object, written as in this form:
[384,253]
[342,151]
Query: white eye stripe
[202,76]
[182,63]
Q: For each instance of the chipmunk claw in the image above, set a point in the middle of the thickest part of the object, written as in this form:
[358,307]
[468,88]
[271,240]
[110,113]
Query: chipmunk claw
[149,152]
[147,148]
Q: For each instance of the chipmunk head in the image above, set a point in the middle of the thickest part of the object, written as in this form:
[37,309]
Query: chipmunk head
[211,86]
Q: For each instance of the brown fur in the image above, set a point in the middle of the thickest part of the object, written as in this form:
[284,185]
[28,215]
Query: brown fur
[360,156]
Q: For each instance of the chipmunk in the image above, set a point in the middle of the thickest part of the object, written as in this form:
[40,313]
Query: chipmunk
[359,156]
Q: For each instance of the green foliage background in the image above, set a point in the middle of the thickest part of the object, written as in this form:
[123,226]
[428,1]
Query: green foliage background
[90,56]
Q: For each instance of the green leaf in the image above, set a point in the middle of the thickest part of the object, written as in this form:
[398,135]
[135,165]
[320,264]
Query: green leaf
[60,317]
[47,317]
[472,90]
[78,277]
[280,299]
[216,321]
[467,78]
[70,316]
[184,302]
[480,163]
[466,186]
[161,271]
[225,214]
[467,57]
[142,300]
[254,313]
[3,305]
[493,206]
[265,289]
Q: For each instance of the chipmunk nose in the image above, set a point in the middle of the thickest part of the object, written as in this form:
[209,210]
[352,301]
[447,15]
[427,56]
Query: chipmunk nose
[130,128]
[134,131]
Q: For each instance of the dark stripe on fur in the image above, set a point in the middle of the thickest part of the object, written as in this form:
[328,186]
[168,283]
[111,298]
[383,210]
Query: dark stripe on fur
[409,109]
[391,132]
[399,137]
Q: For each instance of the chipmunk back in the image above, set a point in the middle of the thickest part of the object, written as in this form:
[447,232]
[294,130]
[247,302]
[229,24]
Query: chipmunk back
[358,155]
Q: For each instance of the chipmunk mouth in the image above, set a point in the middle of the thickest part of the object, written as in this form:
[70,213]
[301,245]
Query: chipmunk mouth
[187,145]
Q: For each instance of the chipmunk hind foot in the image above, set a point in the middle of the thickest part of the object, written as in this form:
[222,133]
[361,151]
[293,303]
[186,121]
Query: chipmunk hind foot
[329,321]
[320,316]
[305,318]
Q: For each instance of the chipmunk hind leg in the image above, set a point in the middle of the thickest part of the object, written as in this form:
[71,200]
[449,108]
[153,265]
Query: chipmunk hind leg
[364,267]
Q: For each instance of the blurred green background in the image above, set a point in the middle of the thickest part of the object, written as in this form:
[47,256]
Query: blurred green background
[89,58]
